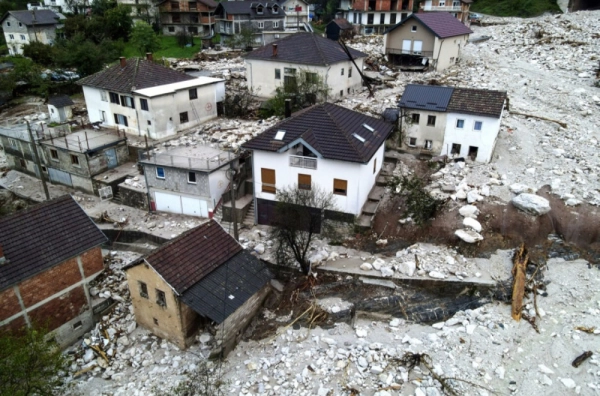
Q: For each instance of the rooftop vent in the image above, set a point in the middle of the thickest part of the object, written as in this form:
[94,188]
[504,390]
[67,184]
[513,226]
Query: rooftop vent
[279,135]
[360,138]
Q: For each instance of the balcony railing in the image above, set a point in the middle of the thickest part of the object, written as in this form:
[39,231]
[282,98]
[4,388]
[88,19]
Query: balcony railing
[449,8]
[201,164]
[303,162]
[400,51]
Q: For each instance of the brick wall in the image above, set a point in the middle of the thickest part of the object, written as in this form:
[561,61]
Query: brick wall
[49,282]
[61,309]
[92,261]
[9,304]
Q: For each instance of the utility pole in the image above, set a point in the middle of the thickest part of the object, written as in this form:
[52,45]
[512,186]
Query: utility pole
[37,162]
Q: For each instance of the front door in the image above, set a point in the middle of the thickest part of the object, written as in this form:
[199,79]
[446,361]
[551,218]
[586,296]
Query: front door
[111,158]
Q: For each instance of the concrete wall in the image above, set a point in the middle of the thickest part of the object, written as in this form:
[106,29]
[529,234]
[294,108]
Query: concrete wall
[447,51]
[97,162]
[44,34]
[423,132]
[484,140]
[55,113]
[360,177]
[176,180]
[133,197]
[57,298]
[395,38]
[171,322]
[260,75]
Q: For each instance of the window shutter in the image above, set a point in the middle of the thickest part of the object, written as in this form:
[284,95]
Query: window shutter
[268,180]
[304,181]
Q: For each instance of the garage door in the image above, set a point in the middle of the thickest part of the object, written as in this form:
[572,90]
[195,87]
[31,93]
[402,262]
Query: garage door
[194,207]
[58,176]
[168,202]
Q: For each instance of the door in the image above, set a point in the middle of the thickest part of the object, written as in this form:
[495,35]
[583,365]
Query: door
[168,202]
[406,46]
[58,176]
[61,114]
[417,47]
[194,207]
[111,158]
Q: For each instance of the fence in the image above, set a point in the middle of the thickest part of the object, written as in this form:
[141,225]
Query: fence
[176,161]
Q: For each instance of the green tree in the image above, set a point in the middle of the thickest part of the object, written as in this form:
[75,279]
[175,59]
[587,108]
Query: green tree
[143,38]
[420,205]
[85,55]
[42,54]
[30,365]
[119,22]
[100,7]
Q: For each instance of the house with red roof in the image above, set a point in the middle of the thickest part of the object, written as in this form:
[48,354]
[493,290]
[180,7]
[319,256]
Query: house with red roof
[431,40]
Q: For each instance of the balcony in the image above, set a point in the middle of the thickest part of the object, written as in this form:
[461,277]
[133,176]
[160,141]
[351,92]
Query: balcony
[449,8]
[298,161]
[399,51]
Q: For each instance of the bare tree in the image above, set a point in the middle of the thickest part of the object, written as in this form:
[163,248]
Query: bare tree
[299,218]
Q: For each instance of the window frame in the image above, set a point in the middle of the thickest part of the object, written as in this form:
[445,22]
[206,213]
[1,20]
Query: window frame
[75,160]
[480,126]
[415,118]
[412,142]
[193,93]
[261,25]
[23,37]
[462,121]
[161,298]
[11,36]
[342,73]
[144,104]
[158,176]
[413,28]
[431,119]
[275,24]
[127,101]
[143,289]
[183,115]
[103,96]
[349,72]
[340,191]
[277,74]
[114,98]
[54,154]
[269,188]
[302,184]
[189,178]
[428,143]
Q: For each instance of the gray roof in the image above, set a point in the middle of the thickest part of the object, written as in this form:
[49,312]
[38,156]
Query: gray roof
[441,24]
[38,238]
[60,101]
[37,17]
[250,7]
[305,48]
[426,97]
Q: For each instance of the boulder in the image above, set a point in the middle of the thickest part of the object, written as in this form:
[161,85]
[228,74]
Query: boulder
[519,188]
[531,203]
[472,223]
[469,211]
[387,272]
[473,196]
[407,268]
[468,236]
[366,266]
[260,248]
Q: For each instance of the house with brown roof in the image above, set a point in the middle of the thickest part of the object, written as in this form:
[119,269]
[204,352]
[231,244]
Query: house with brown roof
[458,122]
[426,40]
[329,146]
[147,99]
[193,17]
[49,254]
[203,279]
[278,64]
[23,27]
[374,16]
[339,28]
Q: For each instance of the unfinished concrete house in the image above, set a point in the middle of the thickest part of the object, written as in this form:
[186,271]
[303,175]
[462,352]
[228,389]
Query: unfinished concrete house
[203,279]
[49,254]
[187,180]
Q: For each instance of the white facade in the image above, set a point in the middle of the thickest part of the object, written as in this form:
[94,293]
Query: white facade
[295,19]
[469,137]
[17,34]
[342,78]
[60,114]
[160,111]
[360,178]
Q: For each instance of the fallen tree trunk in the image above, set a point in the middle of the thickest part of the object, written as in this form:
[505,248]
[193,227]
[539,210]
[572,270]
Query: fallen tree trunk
[519,279]
[562,124]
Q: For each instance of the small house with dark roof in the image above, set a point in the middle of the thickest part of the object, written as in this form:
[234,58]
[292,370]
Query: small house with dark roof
[426,40]
[147,99]
[203,279]
[329,146]
[60,109]
[339,28]
[459,122]
[278,65]
[49,254]
[26,26]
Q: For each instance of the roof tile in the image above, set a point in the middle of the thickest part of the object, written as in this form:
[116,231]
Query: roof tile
[442,24]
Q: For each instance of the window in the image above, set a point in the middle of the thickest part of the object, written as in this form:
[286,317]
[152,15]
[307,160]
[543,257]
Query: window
[11,36]
[311,78]
[415,117]
[23,37]
[259,10]
[193,93]
[430,120]
[44,169]
[75,160]
[277,74]
[267,177]
[13,143]
[341,92]
[442,3]
[413,28]
[428,144]
[382,19]
[478,125]
[183,117]
[149,122]
[342,72]
[121,119]
[127,101]
[114,98]
[193,6]
[54,154]
[7,23]
[143,289]
[144,104]
[275,24]
[304,182]
[20,24]
[455,149]
[192,177]
[275,9]
[412,142]
[460,124]
[176,18]
[161,299]
[171,29]
[174,6]
[340,187]
[102,116]
[103,96]
[393,18]
[261,25]
[349,72]
[289,70]
[375,165]
[22,163]
[160,172]
[77,325]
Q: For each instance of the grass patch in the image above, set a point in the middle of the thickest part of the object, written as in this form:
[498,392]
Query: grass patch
[515,8]
[168,49]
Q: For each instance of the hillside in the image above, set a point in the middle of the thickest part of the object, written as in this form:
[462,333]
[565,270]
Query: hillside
[517,8]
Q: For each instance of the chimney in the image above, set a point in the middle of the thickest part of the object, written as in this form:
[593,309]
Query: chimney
[274,49]
[149,56]
[123,61]
[288,108]
[2,258]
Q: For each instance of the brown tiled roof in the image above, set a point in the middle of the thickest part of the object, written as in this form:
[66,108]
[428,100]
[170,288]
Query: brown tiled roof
[137,74]
[193,255]
[342,23]
[477,101]
[305,48]
[329,129]
[40,237]
[441,24]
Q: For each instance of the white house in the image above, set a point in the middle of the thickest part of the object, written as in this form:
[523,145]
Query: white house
[60,108]
[23,27]
[457,122]
[326,145]
[145,98]
[296,14]
[277,64]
